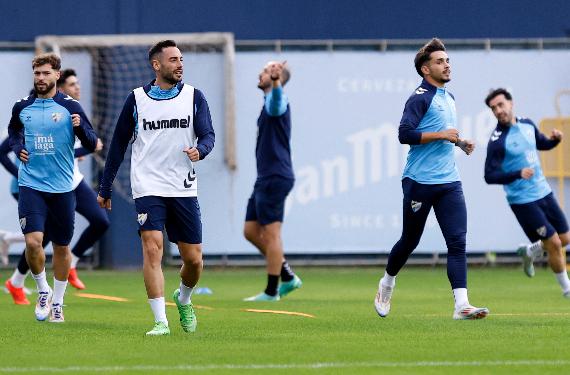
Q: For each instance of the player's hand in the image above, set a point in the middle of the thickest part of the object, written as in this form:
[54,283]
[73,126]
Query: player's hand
[99,145]
[104,203]
[527,173]
[24,156]
[75,120]
[193,153]
[451,135]
[466,145]
[556,135]
[275,71]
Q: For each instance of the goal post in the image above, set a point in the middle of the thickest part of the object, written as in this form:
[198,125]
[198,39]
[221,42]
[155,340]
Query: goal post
[113,65]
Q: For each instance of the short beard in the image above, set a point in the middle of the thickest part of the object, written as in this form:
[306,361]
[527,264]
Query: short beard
[169,77]
[48,88]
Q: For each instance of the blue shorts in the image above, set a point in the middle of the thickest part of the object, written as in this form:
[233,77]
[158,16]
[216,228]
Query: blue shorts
[541,219]
[47,212]
[179,215]
[267,202]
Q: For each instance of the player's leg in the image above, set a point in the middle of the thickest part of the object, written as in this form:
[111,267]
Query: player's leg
[151,217]
[533,221]
[60,226]
[184,227]
[416,207]
[269,200]
[252,228]
[557,258]
[98,223]
[33,211]
[451,214]
[15,284]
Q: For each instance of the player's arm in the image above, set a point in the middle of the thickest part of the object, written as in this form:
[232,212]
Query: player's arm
[545,143]
[202,128]
[494,173]
[5,160]
[80,152]
[83,129]
[414,111]
[16,135]
[276,101]
[123,133]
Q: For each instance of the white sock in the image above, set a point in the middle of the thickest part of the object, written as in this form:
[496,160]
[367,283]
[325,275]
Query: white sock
[460,296]
[388,280]
[563,280]
[18,279]
[158,309]
[14,237]
[41,281]
[74,260]
[59,290]
[534,250]
[185,294]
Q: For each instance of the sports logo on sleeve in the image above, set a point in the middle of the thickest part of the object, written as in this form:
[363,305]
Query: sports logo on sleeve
[541,231]
[420,90]
[141,218]
[416,206]
[496,135]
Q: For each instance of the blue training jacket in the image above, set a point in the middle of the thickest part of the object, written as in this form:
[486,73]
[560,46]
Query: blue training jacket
[43,128]
[429,109]
[512,148]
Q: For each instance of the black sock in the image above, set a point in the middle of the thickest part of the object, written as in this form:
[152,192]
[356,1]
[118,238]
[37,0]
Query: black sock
[287,273]
[272,282]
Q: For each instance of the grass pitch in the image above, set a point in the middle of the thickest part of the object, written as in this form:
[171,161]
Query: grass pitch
[527,332]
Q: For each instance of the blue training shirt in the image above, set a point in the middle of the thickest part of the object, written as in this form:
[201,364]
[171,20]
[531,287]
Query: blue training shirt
[512,148]
[43,127]
[429,109]
[273,145]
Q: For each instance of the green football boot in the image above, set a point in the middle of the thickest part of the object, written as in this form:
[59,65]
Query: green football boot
[159,329]
[188,319]
[289,286]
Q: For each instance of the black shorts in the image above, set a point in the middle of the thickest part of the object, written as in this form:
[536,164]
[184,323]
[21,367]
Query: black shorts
[541,219]
[267,202]
[47,212]
[179,215]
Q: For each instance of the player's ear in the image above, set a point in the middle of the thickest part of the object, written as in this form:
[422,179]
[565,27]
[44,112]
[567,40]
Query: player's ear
[425,69]
[155,65]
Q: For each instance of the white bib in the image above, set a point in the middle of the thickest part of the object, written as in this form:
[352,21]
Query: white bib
[164,129]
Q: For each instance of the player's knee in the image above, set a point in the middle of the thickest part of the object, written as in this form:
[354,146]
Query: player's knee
[101,223]
[553,243]
[34,244]
[250,233]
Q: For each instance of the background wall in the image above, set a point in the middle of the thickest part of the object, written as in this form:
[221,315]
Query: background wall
[289,19]
[346,107]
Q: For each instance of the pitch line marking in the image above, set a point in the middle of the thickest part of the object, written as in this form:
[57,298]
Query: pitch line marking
[201,307]
[269,366]
[501,314]
[279,312]
[100,296]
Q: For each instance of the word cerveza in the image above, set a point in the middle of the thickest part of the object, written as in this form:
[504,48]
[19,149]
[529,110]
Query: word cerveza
[166,124]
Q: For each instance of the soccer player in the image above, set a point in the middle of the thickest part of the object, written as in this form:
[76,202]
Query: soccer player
[86,204]
[512,161]
[275,179]
[42,133]
[164,118]
[431,179]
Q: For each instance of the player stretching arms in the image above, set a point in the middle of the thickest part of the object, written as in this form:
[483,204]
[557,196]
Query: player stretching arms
[42,133]
[165,117]
[275,180]
[512,160]
[431,179]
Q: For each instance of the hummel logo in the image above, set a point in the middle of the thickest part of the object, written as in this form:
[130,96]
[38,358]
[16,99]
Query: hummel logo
[496,135]
[191,178]
[420,90]
[416,206]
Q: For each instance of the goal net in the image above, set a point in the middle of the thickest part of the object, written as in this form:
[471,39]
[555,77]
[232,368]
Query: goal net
[110,66]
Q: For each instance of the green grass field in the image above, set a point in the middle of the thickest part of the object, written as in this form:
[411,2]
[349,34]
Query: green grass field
[527,332]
